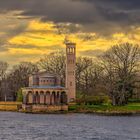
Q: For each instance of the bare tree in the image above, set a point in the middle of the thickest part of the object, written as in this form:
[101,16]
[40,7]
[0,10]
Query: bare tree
[54,63]
[88,74]
[3,70]
[83,66]
[19,76]
[120,65]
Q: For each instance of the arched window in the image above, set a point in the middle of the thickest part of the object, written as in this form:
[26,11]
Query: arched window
[70,83]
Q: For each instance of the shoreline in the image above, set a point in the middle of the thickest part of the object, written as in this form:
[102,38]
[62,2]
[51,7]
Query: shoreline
[110,113]
[103,113]
[131,109]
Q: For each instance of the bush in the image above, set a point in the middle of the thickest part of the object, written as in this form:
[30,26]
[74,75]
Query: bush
[72,107]
[93,100]
[80,101]
[133,100]
[19,96]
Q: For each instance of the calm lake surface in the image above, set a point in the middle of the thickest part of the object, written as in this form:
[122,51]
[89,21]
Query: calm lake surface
[18,126]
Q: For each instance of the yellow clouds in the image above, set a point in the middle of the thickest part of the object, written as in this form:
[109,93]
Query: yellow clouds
[38,34]
[131,37]
[42,38]
[118,35]
[38,39]
[40,26]
[46,34]
[22,51]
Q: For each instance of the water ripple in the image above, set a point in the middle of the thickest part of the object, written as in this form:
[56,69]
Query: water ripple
[18,126]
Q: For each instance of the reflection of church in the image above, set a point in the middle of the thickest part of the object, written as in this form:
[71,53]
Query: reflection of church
[45,92]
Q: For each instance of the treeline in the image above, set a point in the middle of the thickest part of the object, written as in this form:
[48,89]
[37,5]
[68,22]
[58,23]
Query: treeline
[115,73]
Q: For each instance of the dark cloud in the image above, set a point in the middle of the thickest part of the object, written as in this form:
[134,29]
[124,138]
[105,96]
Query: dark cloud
[63,28]
[95,15]
[9,33]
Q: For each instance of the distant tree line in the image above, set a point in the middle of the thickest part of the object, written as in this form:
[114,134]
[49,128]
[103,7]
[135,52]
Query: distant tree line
[115,73]
[11,82]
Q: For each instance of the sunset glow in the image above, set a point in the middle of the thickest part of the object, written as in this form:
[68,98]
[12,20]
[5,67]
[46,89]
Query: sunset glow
[27,34]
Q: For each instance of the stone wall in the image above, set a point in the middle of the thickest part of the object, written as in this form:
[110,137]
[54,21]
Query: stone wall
[44,108]
[9,106]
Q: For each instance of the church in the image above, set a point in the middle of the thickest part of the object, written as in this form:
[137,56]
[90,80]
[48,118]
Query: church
[45,92]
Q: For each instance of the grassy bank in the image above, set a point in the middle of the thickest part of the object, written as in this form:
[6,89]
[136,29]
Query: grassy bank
[104,109]
[9,106]
[131,108]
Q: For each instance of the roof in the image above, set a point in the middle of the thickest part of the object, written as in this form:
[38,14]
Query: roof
[46,87]
[45,74]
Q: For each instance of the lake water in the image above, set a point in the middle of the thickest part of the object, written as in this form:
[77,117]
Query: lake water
[18,126]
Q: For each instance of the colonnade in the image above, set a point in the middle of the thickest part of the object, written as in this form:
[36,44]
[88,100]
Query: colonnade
[45,97]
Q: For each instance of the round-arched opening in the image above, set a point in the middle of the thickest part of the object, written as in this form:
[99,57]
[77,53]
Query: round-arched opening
[63,97]
[53,98]
[47,98]
[58,98]
[42,96]
[37,97]
[29,97]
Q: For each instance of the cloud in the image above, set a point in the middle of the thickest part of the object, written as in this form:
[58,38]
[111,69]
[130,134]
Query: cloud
[92,53]
[30,28]
[10,27]
[95,15]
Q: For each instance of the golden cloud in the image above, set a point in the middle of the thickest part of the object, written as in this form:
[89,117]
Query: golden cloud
[43,36]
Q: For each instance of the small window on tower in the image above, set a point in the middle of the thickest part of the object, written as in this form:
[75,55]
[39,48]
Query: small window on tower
[70,83]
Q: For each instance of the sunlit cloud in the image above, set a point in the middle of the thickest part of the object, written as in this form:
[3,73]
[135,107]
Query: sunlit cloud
[31,29]
[47,36]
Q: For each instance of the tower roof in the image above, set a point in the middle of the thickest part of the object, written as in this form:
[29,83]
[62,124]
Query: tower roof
[70,43]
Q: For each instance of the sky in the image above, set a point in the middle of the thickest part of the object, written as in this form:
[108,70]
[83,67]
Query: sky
[29,29]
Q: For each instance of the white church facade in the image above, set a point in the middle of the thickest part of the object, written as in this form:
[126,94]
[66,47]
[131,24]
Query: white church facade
[45,92]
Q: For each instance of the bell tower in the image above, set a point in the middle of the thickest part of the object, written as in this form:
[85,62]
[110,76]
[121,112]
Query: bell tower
[70,70]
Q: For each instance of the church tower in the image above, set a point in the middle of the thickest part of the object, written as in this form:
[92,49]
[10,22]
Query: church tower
[70,70]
